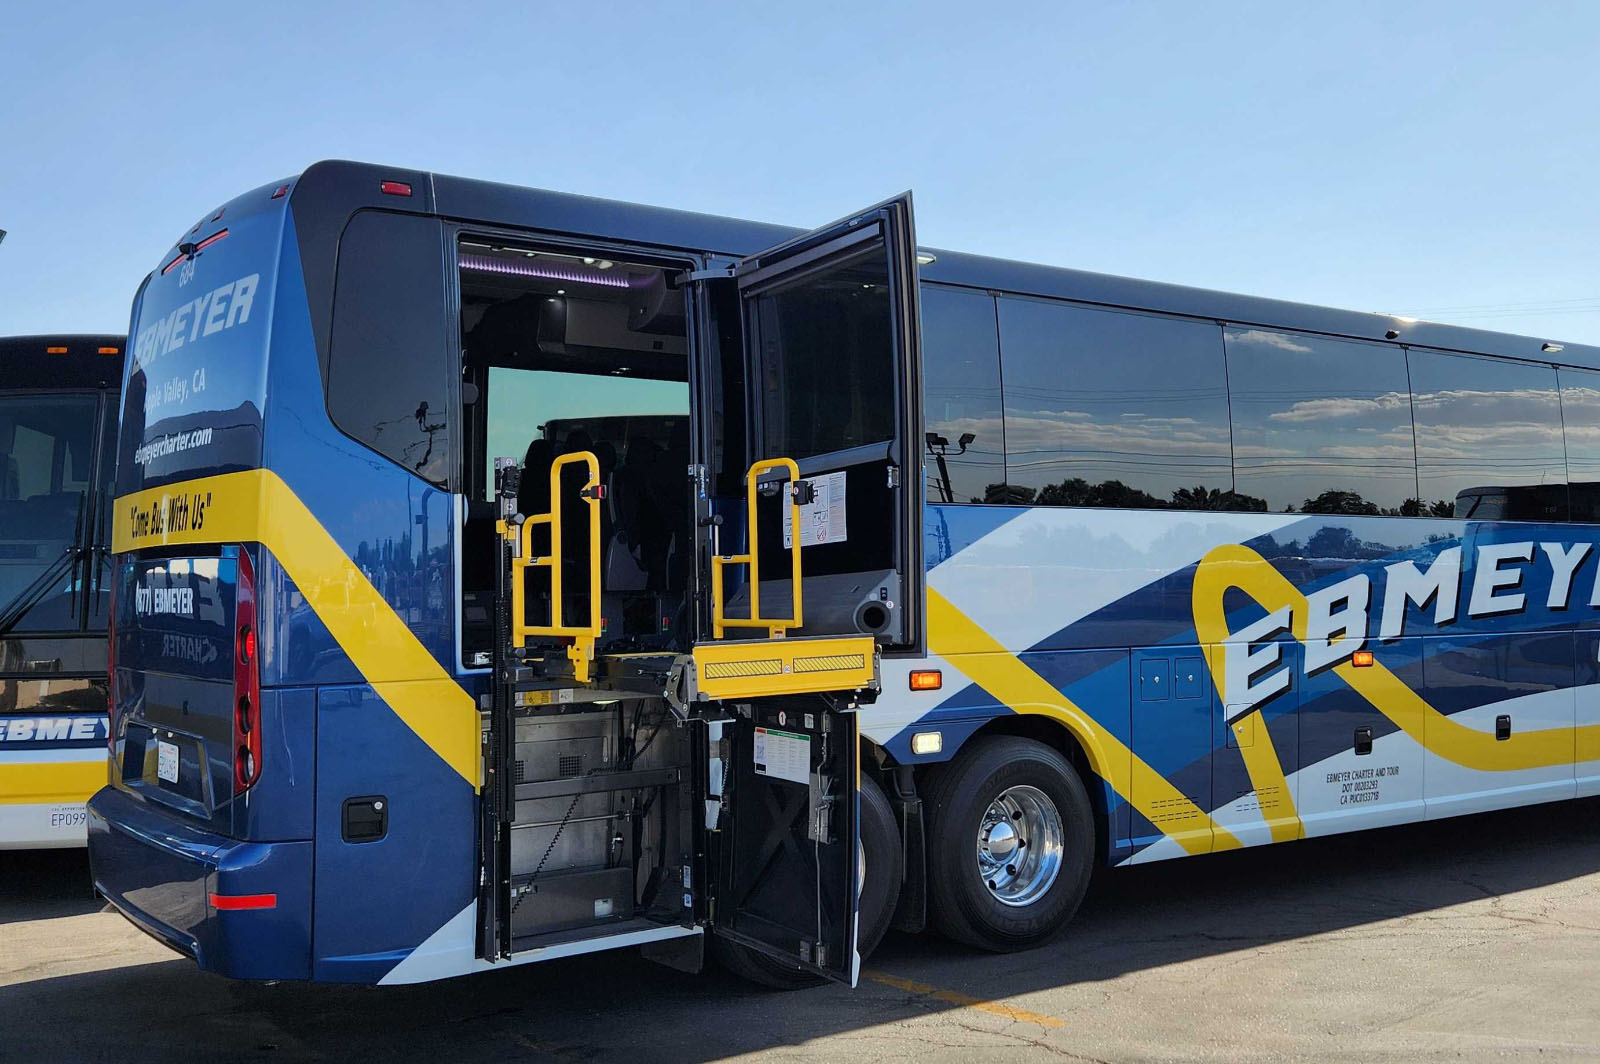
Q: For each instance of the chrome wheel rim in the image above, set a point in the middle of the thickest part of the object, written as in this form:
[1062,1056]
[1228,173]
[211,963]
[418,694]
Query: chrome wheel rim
[1020,845]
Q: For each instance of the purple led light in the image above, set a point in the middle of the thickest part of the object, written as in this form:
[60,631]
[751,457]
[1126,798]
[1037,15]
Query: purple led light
[547,271]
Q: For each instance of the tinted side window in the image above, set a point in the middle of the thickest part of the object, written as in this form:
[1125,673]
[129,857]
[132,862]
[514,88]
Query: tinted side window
[1580,414]
[1321,425]
[961,396]
[1489,444]
[1106,408]
[390,362]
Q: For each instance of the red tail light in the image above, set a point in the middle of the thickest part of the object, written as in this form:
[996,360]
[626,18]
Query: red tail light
[212,239]
[246,683]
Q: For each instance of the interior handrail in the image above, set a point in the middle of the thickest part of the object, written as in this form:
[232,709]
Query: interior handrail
[777,627]
[583,636]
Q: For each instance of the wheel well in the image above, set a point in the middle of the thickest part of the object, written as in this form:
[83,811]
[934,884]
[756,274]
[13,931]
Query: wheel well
[1059,737]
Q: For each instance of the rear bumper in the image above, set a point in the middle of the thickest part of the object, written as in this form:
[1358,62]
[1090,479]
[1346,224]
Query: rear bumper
[160,873]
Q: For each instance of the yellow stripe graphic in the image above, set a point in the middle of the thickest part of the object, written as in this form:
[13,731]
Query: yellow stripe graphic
[256,506]
[955,636]
[38,783]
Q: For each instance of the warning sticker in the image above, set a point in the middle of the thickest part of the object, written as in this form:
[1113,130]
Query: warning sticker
[784,755]
[822,520]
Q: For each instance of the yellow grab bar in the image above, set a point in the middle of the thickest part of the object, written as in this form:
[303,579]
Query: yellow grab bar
[776,626]
[581,652]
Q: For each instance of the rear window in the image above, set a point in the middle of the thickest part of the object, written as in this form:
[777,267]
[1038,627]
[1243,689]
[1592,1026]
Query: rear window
[192,400]
[176,615]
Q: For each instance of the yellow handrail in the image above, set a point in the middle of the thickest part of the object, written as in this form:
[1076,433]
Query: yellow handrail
[776,626]
[581,652]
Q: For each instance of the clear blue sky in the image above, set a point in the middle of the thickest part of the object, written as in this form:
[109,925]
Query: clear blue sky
[1433,159]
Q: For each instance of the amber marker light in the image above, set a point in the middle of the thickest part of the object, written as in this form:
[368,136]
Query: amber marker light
[1361,659]
[926,679]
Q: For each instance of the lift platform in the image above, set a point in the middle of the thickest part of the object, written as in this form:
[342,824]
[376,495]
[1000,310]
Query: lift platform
[558,661]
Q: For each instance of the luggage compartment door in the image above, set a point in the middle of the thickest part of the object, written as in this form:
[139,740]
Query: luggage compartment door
[789,868]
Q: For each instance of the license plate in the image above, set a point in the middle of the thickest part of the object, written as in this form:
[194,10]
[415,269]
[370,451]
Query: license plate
[68,817]
[167,761]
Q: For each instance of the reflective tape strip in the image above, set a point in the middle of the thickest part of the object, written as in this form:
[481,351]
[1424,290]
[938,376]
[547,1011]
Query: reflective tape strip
[725,670]
[830,663]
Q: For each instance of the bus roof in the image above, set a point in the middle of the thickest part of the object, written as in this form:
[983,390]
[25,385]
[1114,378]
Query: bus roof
[328,192]
[76,360]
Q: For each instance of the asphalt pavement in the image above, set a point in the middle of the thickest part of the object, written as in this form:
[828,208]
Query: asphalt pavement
[1470,939]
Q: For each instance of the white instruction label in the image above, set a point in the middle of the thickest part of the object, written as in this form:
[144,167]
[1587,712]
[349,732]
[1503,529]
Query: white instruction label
[784,755]
[821,519]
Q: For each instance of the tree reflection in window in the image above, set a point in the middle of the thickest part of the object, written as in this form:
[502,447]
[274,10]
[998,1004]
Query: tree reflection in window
[1112,408]
[1320,425]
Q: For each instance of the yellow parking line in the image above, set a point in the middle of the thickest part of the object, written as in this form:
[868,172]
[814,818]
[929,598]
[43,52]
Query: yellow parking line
[951,997]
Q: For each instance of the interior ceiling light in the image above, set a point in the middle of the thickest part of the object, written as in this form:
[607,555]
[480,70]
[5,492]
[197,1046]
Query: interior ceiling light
[549,271]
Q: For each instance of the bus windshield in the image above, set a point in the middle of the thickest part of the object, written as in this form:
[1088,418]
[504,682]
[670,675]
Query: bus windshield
[46,456]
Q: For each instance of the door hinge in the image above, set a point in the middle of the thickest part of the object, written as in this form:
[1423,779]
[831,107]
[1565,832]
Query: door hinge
[894,476]
[819,828]
[713,273]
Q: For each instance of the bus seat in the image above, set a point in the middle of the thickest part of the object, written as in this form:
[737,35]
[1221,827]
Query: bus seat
[673,499]
[629,489]
[622,569]
[533,494]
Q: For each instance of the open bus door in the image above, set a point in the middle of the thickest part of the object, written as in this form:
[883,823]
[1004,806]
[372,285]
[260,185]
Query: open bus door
[829,575]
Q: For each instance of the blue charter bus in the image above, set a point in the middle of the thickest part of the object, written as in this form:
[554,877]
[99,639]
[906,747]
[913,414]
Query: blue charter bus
[501,575]
[58,416]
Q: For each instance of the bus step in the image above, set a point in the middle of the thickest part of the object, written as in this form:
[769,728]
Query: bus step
[762,668]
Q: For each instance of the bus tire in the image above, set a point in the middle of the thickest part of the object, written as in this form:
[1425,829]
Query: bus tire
[985,887]
[883,858]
